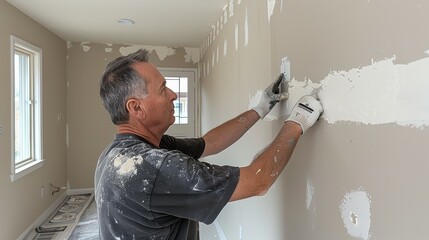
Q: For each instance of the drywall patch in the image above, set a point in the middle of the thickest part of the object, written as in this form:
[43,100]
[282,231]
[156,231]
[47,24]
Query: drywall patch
[355,211]
[271,4]
[192,54]
[309,194]
[380,93]
[217,54]
[85,46]
[225,47]
[69,44]
[225,15]
[108,50]
[231,8]
[162,52]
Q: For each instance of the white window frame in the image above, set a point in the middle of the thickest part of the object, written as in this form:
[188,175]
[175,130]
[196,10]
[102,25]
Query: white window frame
[36,129]
[192,128]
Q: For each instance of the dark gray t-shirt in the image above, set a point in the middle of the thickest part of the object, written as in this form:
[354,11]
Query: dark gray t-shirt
[145,192]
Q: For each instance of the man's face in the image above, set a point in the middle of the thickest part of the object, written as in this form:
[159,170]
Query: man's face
[158,104]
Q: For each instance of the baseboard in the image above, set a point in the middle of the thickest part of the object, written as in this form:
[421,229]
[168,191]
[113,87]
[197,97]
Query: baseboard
[80,191]
[220,231]
[45,215]
[52,208]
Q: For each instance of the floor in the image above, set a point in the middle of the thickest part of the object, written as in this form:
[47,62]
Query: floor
[87,228]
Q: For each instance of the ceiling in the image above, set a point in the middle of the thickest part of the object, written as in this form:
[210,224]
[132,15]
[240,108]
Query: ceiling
[172,23]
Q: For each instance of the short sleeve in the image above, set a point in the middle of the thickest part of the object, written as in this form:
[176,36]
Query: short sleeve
[191,189]
[193,147]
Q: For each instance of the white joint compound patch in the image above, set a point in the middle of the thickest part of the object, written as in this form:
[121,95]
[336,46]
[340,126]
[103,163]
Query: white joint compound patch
[192,54]
[356,214]
[85,47]
[381,93]
[225,47]
[126,165]
[310,193]
[162,52]
[231,8]
[271,4]
[69,44]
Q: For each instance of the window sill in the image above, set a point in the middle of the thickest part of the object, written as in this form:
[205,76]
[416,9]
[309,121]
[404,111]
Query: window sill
[22,171]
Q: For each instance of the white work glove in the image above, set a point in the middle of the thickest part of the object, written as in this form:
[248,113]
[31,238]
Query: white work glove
[306,112]
[270,97]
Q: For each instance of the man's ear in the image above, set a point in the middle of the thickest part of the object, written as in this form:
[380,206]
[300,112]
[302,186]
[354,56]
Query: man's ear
[134,108]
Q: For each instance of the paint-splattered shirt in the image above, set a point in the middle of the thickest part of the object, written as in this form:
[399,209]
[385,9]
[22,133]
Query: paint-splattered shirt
[145,192]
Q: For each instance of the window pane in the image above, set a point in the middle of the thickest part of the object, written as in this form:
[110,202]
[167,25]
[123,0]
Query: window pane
[22,108]
[179,85]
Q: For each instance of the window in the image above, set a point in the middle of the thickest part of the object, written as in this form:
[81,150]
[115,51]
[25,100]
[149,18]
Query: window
[182,82]
[26,141]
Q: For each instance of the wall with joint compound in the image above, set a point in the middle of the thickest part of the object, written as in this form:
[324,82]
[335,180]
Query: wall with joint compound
[360,172]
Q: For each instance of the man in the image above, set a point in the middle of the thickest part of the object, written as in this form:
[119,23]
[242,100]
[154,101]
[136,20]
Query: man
[151,186]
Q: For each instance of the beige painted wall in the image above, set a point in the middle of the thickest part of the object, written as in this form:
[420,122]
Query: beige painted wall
[20,201]
[388,162]
[89,126]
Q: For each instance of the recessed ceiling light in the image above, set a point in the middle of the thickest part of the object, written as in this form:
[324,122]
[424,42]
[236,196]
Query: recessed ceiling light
[125,21]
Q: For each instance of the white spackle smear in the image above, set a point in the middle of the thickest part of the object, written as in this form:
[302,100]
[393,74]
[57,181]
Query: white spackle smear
[214,32]
[85,48]
[366,95]
[412,99]
[162,52]
[213,59]
[231,8]
[69,44]
[127,165]
[271,4]
[238,2]
[225,47]
[108,50]
[246,30]
[380,93]
[310,193]
[281,6]
[217,54]
[192,54]
[225,15]
[356,214]
[236,37]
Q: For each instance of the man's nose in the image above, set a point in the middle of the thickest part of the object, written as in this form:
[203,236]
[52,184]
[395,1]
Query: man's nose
[172,94]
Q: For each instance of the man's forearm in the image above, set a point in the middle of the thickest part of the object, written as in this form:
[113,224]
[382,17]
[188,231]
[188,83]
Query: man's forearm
[223,136]
[258,177]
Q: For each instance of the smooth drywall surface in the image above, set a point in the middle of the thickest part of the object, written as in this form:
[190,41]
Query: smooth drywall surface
[89,127]
[360,173]
[21,202]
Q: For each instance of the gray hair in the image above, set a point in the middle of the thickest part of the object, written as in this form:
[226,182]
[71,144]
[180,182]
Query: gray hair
[120,82]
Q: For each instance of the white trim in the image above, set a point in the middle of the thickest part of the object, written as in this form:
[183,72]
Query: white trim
[196,95]
[44,216]
[220,231]
[80,191]
[37,163]
[26,169]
